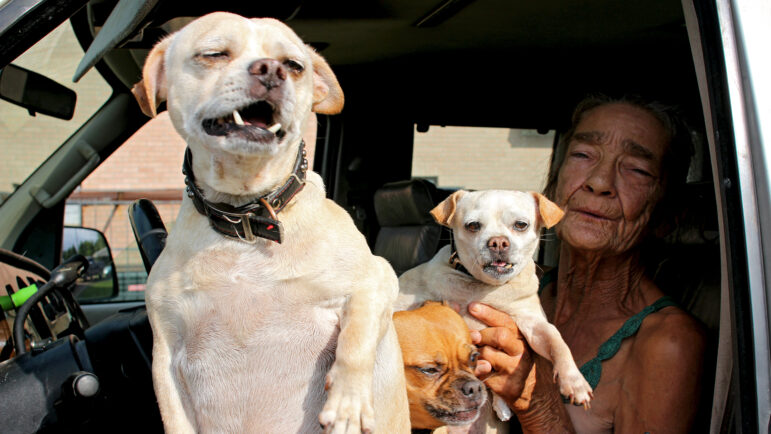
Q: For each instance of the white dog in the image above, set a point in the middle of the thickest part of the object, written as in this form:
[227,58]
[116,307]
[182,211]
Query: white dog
[265,295]
[496,233]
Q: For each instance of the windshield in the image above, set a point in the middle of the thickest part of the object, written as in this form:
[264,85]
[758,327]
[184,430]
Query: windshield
[26,141]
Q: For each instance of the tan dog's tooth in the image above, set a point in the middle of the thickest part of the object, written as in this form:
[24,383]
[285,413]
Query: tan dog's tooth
[237,118]
[274,128]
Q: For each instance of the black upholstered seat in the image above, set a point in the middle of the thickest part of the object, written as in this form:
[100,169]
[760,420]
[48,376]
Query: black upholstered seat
[408,234]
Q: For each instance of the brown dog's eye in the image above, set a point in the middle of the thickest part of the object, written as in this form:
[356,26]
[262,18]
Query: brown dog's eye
[428,370]
[521,225]
[294,65]
[473,226]
[474,357]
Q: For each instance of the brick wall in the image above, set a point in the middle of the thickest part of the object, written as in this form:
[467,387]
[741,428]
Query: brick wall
[150,160]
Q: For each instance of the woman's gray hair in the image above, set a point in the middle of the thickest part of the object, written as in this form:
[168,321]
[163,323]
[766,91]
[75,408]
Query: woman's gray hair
[676,160]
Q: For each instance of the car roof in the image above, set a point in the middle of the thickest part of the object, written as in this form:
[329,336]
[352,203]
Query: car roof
[461,62]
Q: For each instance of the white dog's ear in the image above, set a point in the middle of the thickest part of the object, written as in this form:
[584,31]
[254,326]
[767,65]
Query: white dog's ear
[151,89]
[549,213]
[443,212]
[327,95]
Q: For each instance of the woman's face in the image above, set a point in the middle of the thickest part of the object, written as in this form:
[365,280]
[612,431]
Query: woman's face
[611,178]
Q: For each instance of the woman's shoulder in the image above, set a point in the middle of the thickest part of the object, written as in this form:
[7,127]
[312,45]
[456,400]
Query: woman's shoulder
[670,334]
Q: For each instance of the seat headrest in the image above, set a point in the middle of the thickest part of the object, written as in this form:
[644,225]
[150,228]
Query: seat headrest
[697,223]
[405,203]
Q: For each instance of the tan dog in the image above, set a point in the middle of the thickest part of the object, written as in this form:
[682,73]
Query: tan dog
[248,333]
[439,361]
[496,233]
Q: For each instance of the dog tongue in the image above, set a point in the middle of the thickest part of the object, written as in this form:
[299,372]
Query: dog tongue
[499,264]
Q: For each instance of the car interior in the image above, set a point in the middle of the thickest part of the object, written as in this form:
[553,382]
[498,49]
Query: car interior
[405,67]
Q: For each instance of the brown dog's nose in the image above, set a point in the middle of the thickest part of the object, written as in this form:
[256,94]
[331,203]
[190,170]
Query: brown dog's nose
[270,72]
[498,244]
[472,389]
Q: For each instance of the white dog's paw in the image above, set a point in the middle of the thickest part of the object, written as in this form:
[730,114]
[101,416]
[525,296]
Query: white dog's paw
[348,409]
[573,385]
[501,408]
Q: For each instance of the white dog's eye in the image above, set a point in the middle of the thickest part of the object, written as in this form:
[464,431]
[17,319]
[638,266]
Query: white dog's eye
[294,65]
[473,226]
[521,225]
[213,55]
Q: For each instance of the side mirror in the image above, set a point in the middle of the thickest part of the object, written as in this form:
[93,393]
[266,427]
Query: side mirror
[100,281]
[36,93]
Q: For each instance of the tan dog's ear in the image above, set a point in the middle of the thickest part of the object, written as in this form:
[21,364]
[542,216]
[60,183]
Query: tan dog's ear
[549,213]
[443,212]
[151,89]
[328,97]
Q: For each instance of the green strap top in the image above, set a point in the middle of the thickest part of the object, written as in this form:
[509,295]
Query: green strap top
[592,370]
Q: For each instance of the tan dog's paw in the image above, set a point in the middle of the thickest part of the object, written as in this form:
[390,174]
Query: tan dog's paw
[348,408]
[573,385]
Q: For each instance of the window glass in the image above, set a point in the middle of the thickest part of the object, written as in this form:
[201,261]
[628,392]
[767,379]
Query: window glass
[482,158]
[26,141]
[148,165]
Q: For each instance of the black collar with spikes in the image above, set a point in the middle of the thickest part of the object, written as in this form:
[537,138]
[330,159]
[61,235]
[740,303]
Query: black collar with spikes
[256,219]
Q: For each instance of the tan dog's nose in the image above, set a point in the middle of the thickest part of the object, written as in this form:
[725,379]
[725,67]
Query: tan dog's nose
[269,72]
[472,389]
[498,244]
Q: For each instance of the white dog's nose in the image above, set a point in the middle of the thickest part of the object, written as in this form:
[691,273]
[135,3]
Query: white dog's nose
[269,72]
[498,244]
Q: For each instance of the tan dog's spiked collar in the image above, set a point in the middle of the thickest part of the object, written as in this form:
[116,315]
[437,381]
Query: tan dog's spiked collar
[256,219]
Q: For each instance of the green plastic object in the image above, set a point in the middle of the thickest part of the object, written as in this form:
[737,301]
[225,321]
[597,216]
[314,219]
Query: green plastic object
[10,302]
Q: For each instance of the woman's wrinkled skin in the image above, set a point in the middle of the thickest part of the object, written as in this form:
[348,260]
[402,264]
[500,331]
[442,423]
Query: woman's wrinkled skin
[609,183]
[610,179]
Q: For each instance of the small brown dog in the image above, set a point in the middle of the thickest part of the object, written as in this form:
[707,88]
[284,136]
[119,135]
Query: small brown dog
[439,362]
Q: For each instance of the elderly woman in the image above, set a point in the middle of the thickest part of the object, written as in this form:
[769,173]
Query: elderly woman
[624,164]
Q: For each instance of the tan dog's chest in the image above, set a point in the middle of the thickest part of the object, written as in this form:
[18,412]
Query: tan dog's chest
[255,314]
[261,345]
[264,315]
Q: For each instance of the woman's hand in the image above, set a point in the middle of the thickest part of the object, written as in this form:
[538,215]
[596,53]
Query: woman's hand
[505,364]
[511,370]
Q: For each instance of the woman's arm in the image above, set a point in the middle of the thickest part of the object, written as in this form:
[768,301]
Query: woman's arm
[507,367]
[664,394]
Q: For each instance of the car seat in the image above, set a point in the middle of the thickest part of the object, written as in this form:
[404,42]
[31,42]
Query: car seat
[686,266]
[149,230]
[408,234]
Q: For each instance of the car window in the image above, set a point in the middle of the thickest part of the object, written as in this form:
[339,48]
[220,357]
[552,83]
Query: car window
[148,165]
[26,140]
[482,158]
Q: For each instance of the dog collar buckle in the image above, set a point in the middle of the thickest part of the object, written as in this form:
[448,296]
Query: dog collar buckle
[256,227]
[248,236]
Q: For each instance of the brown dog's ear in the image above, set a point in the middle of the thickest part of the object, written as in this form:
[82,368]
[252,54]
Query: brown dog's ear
[151,89]
[443,212]
[549,213]
[328,97]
